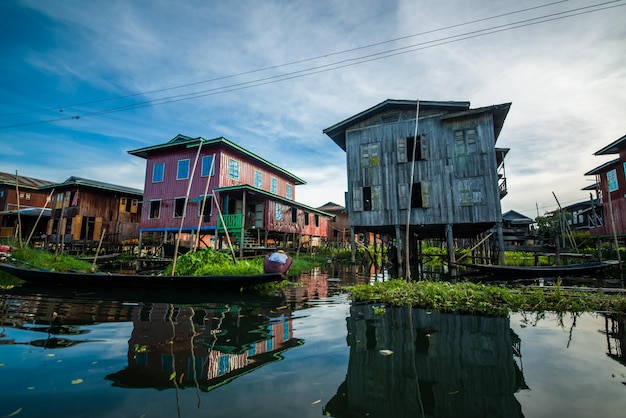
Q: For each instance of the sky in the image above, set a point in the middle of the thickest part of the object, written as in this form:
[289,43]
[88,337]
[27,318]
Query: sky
[84,82]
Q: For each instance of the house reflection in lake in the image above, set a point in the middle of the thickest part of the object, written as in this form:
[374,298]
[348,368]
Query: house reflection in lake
[413,363]
[204,347]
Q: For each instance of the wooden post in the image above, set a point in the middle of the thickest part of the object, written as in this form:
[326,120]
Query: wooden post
[450,247]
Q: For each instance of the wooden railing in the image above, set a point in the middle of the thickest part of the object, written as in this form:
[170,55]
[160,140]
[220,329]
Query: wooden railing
[232,223]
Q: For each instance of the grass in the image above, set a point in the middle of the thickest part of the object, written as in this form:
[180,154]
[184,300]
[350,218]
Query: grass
[482,299]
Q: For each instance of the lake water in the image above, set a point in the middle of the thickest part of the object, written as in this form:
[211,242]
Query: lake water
[306,353]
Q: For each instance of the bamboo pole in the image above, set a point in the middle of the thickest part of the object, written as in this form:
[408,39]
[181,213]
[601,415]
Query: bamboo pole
[95,258]
[408,210]
[48,199]
[230,245]
[19,218]
[206,190]
[182,218]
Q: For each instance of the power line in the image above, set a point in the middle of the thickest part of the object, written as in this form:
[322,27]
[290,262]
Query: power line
[62,108]
[337,64]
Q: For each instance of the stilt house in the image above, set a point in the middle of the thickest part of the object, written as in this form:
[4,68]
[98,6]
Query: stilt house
[86,212]
[611,182]
[23,205]
[443,178]
[214,192]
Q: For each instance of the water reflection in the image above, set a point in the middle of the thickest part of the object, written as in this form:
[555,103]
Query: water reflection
[414,363]
[171,345]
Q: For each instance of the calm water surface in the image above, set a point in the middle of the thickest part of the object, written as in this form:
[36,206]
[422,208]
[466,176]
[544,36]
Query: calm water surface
[305,353]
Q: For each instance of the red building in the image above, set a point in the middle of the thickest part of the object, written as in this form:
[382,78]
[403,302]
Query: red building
[212,190]
[611,181]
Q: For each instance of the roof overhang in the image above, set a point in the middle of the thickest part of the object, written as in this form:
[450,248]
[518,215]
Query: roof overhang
[613,147]
[603,168]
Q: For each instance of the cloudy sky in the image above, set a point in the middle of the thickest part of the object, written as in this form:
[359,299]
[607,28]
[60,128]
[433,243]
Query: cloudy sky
[83,82]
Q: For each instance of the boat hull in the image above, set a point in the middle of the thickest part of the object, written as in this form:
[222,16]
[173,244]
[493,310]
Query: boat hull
[75,279]
[534,272]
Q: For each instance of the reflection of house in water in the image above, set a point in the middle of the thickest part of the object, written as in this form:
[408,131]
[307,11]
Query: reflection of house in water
[204,346]
[441,365]
[615,330]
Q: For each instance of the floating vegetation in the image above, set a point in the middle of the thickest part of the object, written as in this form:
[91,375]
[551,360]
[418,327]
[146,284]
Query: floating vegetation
[483,299]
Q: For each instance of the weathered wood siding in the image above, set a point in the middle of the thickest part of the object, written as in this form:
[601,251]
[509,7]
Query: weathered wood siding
[459,185]
[280,218]
[614,203]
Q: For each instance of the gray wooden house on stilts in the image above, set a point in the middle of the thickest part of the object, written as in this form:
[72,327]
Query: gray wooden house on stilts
[442,179]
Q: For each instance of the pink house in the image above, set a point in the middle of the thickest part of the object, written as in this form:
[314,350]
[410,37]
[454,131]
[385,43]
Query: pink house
[212,189]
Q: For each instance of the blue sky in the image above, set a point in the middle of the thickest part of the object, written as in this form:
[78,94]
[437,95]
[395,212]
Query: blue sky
[83,82]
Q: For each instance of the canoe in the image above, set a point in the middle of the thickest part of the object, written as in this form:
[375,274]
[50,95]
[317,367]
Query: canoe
[57,278]
[566,270]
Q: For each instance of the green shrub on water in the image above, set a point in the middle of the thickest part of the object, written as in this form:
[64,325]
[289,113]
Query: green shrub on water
[208,262]
[35,258]
[482,299]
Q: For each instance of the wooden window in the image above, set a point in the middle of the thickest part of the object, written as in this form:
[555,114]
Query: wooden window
[470,192]
[183,170]
[274,185]
[123,203]
[371,198]
[409,148]
[306,218]
[258,179]
[357,199]
[158,172]
[134,205]
[317,220]
[289,191]
[465,141]
[419,195]
[27,196]
[58,202]
[369,155]
[233,169]
[278,212]
[208,208]
[155,209]
[470,137]
[179,207]
[207,165]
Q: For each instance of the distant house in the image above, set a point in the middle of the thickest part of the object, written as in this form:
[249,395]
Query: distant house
[585,215]
[25,204]
[444,179]
[339,225]
[517,229]
[214,191]
[84,211]
[611,180]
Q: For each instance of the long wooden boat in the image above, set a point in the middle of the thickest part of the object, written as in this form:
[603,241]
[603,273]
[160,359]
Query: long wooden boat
[565,270]
[56,278]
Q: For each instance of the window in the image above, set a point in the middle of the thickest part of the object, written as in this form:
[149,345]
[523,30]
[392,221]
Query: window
[27,196]
[208,209]
[158,172]
[289,191]
[409,148]
[611,178]
[369,155]
[306,218]
[155,209]
[128,205]
[294,215]
[316,218]
[419,195]
[278,212]
[207,164]
[258,179]
[183,170]
[179,207]
[274,185]
[233,169]
[366,198]
[465,141]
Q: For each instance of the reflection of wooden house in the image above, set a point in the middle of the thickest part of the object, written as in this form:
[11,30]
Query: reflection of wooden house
[413,363]
[339,225]
[84,210]
[24,205]
[611,180]
[245,199]
[443,180]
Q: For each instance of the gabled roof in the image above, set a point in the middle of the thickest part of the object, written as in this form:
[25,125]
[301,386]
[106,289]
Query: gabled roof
[337,132]
[516,217]
[28,182]
[613,147]
[94,184]
[602,168]
[251,189]
[332,207]
[188,142]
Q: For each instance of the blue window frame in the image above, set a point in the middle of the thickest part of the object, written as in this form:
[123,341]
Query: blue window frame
[274,185]
[233,169]
[258,179]
[289,191]
[158,172]
[278,212]
[207,164]
[183,170]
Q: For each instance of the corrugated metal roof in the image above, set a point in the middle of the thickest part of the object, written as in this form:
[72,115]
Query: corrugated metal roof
[94,184]
[28,182]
